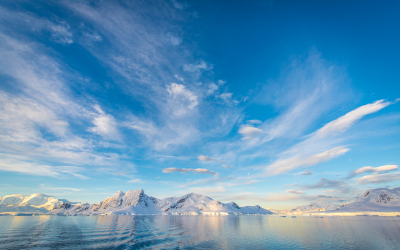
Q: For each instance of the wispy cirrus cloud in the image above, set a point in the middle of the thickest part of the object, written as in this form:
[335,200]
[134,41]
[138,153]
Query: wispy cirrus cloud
[206,181]
[294,192]
[146,53]
[196,67]
[206,158]
[288,164]
[190,170]
[345,122]
[301,151]
[40,110]
[306,172]
[369,169]
[15,165]
[135,181]
[105,125]
[379,178]
[326,183]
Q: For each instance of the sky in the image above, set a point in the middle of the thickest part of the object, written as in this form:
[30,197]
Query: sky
[274,103]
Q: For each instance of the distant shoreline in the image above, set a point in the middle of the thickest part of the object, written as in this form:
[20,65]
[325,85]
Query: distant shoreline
[317,214]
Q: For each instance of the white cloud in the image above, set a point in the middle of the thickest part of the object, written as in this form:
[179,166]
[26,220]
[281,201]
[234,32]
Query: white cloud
[36,121]
[221,82]
[226,96]
[59,30]
[227,166]
[196,67]
[187,170]
[252,182]
[294,192]
[179,78]
[369,169]
[303,153]
[105,125]
[136,52]
[206,158]
[182,99]
[308,88]
[379,178]
[21,118]
[95,37]
[286,165]
[212,87]
[28,168]
[307,172]
[178,5]
[174,40]
[61,33]
[135,181]
[15,165]
[213,179]
[249,132]
[254,121]
[344,122]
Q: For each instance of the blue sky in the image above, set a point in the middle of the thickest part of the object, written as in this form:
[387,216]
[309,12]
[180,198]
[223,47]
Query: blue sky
[276,103]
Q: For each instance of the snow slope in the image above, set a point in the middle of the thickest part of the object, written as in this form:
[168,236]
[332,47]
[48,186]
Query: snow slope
[137,202]
[375,200]
[34,203]
[314,207]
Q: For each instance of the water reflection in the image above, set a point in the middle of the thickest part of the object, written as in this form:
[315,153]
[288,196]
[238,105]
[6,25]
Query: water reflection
[199,232]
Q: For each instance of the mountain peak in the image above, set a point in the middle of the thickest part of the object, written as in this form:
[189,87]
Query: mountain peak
[118,194]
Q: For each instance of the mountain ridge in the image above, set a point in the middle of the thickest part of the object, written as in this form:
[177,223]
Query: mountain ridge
[135,202]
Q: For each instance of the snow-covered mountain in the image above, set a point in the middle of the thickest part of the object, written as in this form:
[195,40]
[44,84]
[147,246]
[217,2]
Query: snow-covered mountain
[34,203]
[137,202]
[376,200]
[314,207]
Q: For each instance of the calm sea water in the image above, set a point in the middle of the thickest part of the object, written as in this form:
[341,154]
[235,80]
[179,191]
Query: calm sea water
[198,232]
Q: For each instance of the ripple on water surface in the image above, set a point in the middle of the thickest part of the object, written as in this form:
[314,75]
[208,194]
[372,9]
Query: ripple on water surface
[198,232]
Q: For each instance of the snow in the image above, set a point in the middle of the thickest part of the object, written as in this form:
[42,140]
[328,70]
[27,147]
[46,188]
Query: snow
[135,202]
[34,203]
[379,201]
[375,200]
[313,207]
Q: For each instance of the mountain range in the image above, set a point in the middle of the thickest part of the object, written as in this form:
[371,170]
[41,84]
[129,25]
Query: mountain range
[136,202]
[34,203]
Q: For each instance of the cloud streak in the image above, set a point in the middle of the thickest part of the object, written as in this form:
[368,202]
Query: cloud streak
[345,122]
[286,165]
[206,158]
[294,192]
[379,178]
[369,169]
[189,170]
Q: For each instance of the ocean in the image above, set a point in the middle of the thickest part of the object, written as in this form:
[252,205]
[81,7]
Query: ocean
[198,232]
